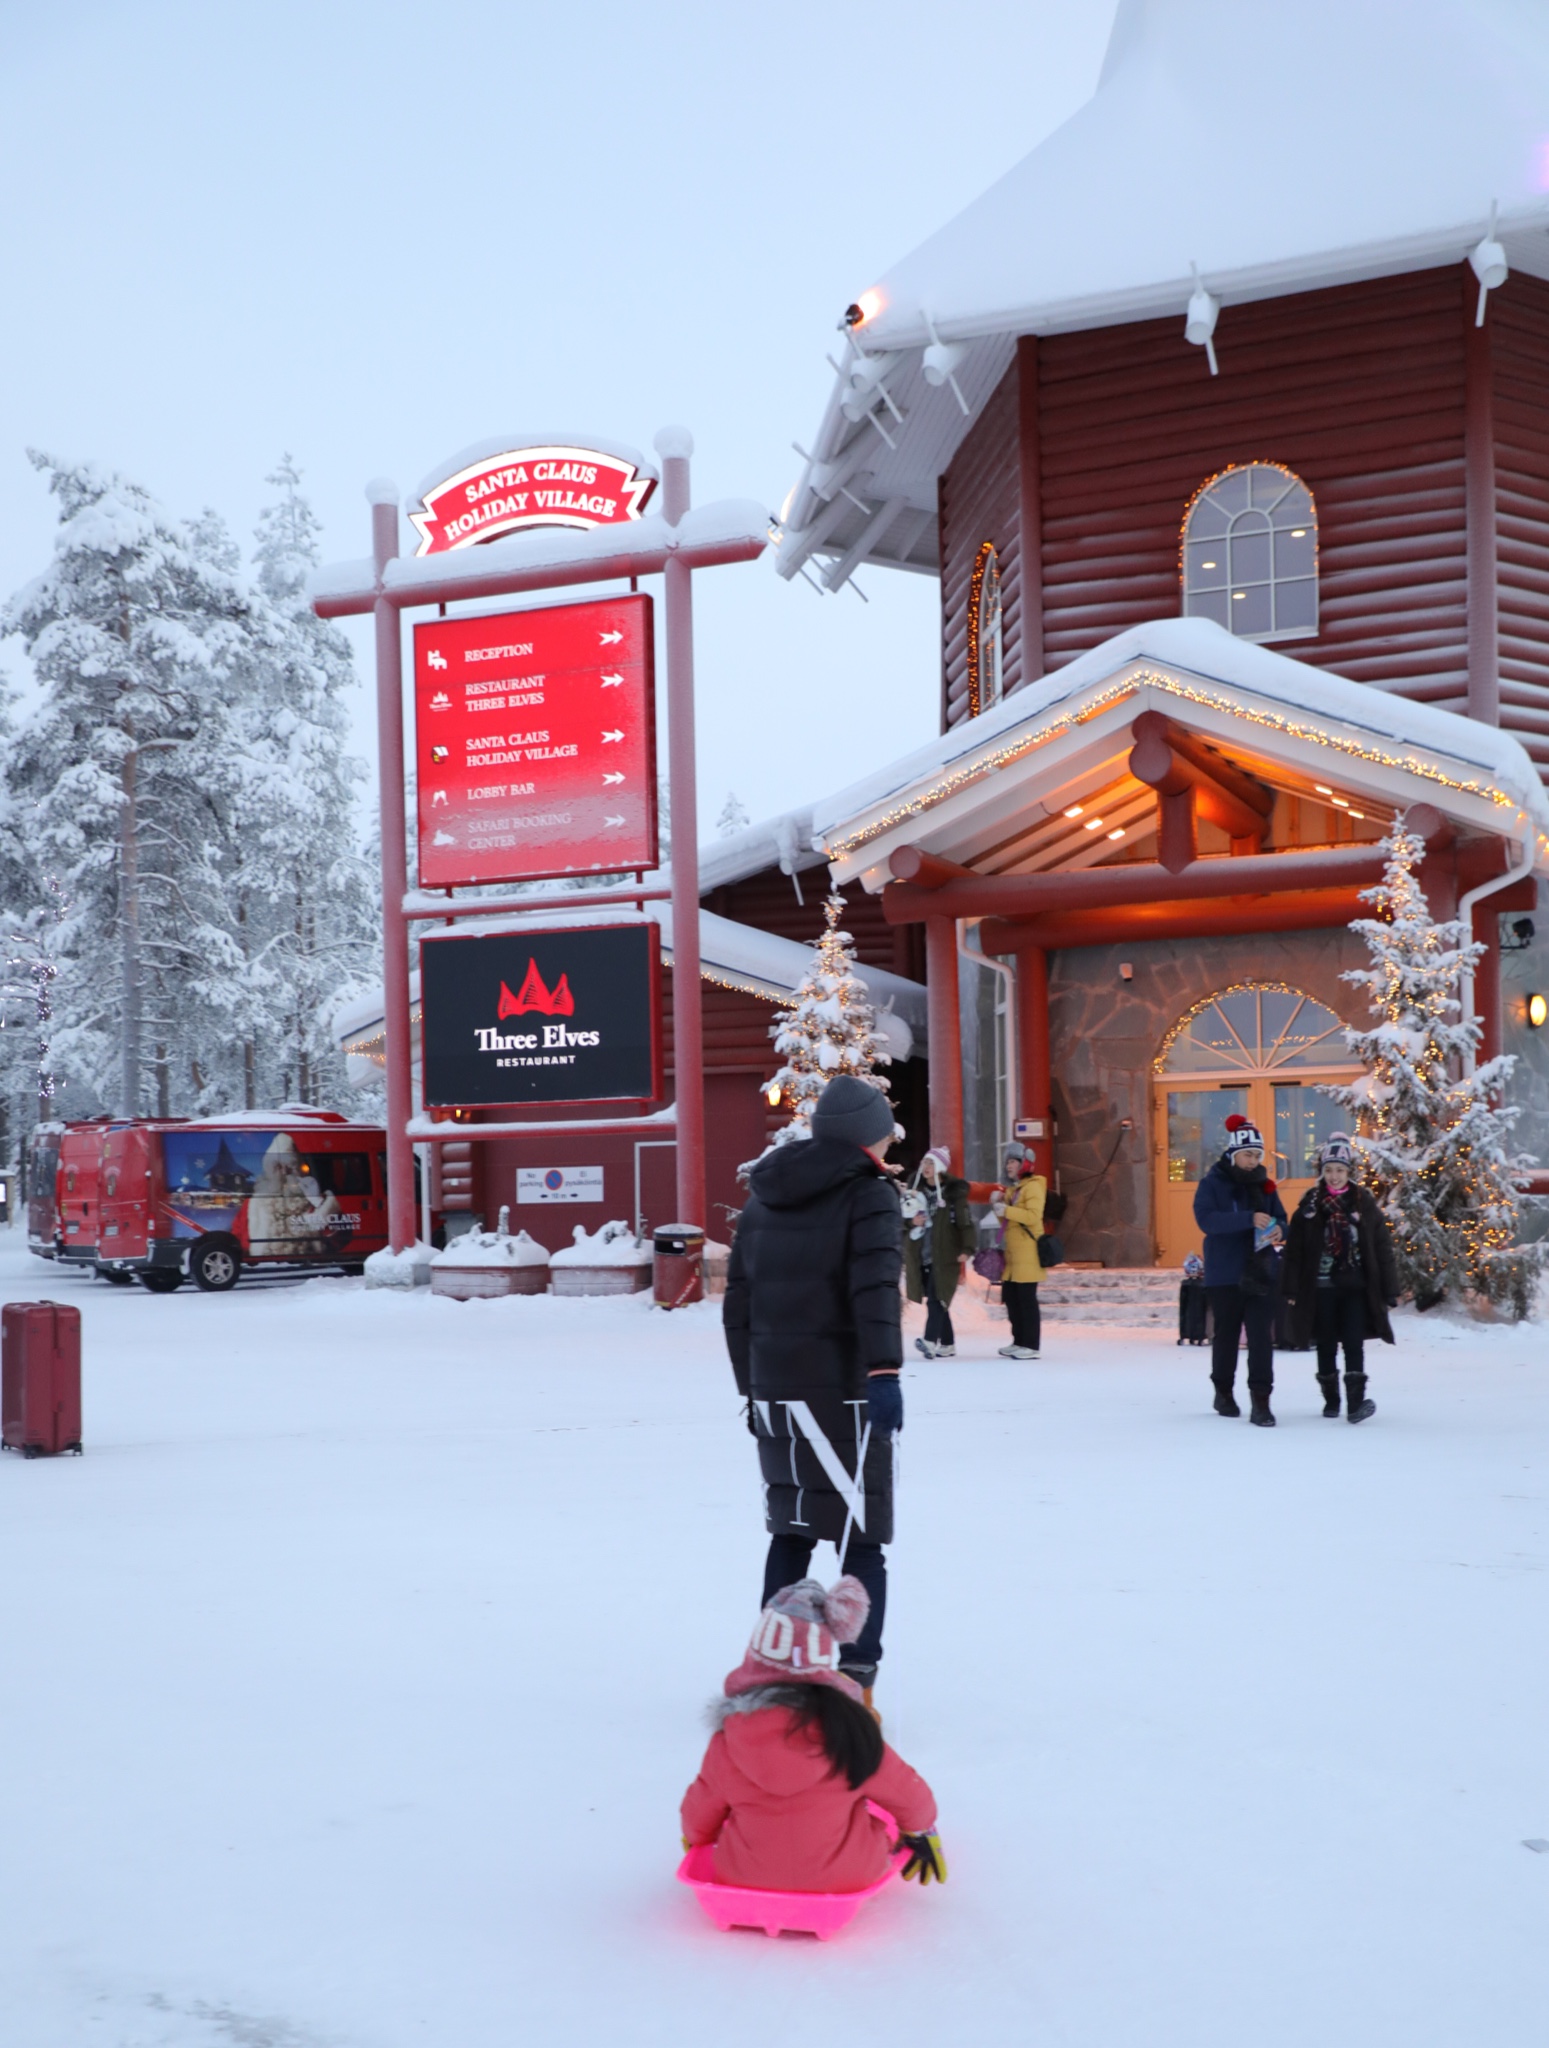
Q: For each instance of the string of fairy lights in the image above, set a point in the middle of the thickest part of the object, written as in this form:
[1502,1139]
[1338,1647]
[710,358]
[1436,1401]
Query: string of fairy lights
[1071,719]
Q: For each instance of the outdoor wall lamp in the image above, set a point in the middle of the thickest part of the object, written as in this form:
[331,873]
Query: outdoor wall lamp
[1537,1011]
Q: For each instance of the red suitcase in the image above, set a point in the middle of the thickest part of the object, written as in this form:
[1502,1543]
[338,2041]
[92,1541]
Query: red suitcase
[40,1378]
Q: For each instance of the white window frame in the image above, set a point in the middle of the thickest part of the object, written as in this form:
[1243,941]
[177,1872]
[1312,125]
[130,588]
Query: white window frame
[1274,508]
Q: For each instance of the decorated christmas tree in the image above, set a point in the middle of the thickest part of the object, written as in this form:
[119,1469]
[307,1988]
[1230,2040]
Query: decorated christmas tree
[1434,1137]
[829,1029]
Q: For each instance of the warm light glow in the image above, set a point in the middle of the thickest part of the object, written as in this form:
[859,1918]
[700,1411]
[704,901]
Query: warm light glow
[1537,1010]
[1075,810]
[1297,533]
[870,304]
[1238,596]
[1117,832]
[772,1095]
[1323,789]
[1093,825]
[1207,565]
[1339,802]
[1356,814]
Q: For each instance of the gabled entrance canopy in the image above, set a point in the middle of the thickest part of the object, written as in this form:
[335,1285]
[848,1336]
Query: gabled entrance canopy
[1177,765]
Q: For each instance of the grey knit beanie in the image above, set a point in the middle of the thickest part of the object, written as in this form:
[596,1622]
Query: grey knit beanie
[852,1111]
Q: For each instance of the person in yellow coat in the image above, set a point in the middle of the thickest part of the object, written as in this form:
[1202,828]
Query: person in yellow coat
[1020,1209]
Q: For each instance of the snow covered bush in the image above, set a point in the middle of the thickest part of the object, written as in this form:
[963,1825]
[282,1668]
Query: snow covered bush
[1433,1136]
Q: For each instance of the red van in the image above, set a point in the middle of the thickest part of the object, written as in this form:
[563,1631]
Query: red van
[42,1210]
[256,1192]
[77,1177]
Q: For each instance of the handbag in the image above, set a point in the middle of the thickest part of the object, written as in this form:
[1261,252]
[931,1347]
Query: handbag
[1051,1251]
[989,1262]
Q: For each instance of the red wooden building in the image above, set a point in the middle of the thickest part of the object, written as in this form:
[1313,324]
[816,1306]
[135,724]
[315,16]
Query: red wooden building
[1220,419]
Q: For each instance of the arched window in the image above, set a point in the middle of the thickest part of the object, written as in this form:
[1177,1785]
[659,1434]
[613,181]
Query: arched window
[1250,553]
[985,645]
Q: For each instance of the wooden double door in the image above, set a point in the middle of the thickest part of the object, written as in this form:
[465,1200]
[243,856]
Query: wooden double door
[1189,1135]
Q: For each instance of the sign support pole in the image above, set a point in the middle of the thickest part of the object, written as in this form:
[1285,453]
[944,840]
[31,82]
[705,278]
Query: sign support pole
[675,445]
[401,1220]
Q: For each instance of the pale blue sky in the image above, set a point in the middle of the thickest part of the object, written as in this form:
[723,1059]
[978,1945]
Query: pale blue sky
[371,234]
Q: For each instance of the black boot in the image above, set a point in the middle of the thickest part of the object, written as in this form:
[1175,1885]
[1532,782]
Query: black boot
[1260,1412]
[1357,1407]
[1328,1383]
[1226,1400]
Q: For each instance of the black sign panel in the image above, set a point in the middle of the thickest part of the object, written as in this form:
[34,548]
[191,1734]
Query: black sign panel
[542,1016]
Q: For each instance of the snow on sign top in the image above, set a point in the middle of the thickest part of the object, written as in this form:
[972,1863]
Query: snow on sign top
[507,485]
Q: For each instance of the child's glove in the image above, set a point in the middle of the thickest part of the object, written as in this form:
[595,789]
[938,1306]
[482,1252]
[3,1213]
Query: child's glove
[926,1860]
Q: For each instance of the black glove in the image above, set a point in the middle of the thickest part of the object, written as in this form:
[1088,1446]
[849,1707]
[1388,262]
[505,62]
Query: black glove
[926,1860]
[748,1411]
[884,1402]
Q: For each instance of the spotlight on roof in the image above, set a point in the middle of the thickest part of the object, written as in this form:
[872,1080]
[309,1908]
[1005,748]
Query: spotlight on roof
[1487,260]
[1521,935]
[853,316]
[1200,325]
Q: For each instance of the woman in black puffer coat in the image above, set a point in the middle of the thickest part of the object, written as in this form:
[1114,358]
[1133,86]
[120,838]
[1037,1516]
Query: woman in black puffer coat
[812,1320]
[1340,1277]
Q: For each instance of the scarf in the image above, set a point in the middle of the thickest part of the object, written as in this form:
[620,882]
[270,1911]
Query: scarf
[1336,1213]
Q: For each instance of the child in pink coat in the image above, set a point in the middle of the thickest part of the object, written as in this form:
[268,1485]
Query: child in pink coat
[795,1759]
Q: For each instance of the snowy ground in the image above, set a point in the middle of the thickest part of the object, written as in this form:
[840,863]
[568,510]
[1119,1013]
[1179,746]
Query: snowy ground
[350,1682]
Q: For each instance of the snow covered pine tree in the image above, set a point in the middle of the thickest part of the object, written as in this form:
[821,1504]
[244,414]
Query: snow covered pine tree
[133,632]
[829,1029]
[1432,1135]
[302,892]
[733,818]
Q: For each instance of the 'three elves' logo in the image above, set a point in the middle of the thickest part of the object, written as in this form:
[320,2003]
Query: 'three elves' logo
[548,1002]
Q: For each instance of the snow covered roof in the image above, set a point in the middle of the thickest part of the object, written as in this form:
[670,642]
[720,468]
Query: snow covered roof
[1273,148]
[1016,769]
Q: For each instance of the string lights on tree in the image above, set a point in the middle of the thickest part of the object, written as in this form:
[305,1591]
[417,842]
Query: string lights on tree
[1434,1137]
[828,1029]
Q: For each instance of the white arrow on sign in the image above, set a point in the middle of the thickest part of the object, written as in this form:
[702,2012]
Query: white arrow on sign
[613,778]
[607,736]
[611,639]
[612,682]
[613,821]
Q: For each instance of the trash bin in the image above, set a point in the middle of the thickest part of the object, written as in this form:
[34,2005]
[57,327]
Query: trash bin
[679,1250]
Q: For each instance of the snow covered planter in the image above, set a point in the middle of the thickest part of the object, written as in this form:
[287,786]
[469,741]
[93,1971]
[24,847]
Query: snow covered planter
[482,1263]
[411,1268]
[611,1261]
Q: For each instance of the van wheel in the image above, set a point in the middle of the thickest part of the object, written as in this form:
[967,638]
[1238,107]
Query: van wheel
[116,1279]
[160,1279]
[215,1267]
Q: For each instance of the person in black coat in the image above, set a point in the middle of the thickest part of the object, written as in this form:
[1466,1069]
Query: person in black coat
[1242,1218]
[1340,1277]
[812,1321]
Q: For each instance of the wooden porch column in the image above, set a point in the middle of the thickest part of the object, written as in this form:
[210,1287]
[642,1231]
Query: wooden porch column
[946,1037]
[1487,976]
[1036,1081]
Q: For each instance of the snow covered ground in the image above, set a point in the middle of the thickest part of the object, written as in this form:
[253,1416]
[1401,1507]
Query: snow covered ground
[349,1684]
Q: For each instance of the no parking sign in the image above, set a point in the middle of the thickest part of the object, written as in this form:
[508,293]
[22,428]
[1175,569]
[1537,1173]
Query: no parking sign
[559,1184]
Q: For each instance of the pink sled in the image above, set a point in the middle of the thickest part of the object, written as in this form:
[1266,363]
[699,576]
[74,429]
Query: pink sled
[819,1913]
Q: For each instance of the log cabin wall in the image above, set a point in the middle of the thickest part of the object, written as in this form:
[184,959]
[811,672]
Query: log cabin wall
[979,500]
[769,903]
[1362,391]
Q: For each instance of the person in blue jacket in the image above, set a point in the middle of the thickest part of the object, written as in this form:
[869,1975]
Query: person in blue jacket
[1237,1208]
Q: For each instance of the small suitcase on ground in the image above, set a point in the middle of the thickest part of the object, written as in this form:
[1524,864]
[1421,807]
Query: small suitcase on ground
[40,1378]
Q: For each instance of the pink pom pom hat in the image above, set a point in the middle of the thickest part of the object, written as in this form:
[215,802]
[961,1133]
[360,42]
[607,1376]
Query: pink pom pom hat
[799,1636]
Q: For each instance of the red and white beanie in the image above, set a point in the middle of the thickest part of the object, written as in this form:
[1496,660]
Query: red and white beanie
[798,1637]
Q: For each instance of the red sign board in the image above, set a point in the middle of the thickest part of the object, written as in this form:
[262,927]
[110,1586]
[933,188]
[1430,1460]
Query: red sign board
[522,487]
[536,743]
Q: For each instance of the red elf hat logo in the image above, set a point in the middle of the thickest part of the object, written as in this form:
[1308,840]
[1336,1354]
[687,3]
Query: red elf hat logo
[555,1002]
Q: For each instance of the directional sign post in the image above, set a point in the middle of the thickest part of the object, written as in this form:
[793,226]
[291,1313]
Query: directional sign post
[534,738]
[536,743]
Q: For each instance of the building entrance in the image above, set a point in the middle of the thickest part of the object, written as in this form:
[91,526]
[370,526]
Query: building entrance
[1257,1051]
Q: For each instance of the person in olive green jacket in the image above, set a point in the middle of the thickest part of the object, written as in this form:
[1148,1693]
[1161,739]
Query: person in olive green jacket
[1020,1210]
[938,1235]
